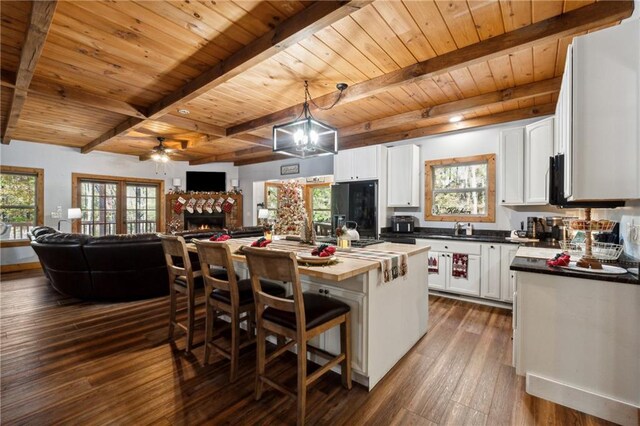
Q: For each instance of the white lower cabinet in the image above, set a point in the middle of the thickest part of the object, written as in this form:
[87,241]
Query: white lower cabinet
[330,339]
[444,280]
[491,273]
[488,273]
[508,277]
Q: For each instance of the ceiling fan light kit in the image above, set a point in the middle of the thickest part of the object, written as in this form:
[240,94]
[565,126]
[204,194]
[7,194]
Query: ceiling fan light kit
[305,136]
[159,153]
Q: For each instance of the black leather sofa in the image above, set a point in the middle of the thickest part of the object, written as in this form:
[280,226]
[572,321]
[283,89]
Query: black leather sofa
[113,267]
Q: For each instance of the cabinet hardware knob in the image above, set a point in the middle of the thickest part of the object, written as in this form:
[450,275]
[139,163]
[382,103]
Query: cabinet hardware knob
[446,247]
[492,247]
[320,291]
[503,201]
[326,292]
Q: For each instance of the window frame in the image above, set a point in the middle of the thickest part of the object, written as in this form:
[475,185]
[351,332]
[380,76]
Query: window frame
[268,185]
[39,174]
[308,198]
[490,160]
[121,196]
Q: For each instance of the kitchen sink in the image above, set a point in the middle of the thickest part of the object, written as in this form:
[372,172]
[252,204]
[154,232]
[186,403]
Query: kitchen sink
[455,237]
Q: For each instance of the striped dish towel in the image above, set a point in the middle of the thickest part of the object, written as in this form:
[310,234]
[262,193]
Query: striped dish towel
[393,264]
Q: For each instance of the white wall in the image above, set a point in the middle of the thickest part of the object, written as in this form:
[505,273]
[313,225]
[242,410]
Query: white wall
[267,171]
[60,162]
[463,144]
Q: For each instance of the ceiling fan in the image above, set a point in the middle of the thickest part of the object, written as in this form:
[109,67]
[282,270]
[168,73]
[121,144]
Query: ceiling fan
[160,153]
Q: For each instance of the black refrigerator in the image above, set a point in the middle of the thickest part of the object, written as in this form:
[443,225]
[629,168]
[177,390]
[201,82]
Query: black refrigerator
[356,202]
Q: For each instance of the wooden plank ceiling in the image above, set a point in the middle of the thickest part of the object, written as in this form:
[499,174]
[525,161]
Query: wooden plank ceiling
[111,76]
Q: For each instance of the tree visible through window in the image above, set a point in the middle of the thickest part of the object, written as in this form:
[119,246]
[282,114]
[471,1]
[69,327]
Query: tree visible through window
[461,189]
[141,208]
[20,200]
[116,205]
[321,203]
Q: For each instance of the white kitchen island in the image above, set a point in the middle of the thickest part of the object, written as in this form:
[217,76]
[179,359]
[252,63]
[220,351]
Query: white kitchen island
[387,318]
[577,339]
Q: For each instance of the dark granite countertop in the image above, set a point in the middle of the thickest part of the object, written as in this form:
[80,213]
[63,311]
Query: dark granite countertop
[539,266]
[479,236]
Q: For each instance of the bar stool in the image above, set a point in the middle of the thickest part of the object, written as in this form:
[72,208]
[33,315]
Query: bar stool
[230,296]
[183,281]
[299,317]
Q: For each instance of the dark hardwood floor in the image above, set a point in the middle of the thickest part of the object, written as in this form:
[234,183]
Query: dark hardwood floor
[73,362]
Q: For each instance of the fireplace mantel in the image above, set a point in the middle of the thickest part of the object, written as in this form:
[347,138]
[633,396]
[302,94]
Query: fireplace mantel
[233,219]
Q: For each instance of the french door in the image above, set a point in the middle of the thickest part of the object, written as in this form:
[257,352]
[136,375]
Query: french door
[117,205]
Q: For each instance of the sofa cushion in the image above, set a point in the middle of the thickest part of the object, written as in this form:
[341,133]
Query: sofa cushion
[62,239]
[123,239]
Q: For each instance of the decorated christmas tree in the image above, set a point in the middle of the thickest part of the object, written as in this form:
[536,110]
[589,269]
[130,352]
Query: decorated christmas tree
[291,212]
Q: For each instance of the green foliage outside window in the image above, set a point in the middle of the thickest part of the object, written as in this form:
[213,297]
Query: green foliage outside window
[460,189]
[321,203]
[18,198]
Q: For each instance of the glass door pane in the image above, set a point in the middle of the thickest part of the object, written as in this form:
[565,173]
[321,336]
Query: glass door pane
[99,202]
[141,215]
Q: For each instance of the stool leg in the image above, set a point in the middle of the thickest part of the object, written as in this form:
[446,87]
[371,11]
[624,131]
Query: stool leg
[235,345]
[345,348]
[302,381]
[208,332]
[260,358]
[172,312]
[191,314]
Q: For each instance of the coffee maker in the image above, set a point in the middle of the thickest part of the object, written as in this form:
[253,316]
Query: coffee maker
[556,225]
[536,227]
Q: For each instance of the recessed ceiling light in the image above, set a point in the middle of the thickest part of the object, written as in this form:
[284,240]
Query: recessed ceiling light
[455,119]
[184,111]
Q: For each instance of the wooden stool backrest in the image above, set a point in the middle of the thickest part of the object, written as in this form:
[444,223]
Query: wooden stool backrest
[212,253]
[175,246]
[280,266]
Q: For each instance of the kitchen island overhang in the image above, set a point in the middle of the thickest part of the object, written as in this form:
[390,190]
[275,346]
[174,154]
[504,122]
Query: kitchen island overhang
[387,318]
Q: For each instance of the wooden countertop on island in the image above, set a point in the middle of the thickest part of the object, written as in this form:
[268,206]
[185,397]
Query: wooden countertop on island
[347,267]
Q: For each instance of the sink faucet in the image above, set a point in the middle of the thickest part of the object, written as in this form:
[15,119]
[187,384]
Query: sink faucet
[456,228]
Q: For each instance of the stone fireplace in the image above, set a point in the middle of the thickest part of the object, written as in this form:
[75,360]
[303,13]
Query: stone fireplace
[179,219]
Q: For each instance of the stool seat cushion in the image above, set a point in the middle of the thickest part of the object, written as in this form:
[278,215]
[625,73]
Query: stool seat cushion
[246,292]
[218,273]
[317,310]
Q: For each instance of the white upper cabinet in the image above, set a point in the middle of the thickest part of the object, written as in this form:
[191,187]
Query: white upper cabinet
[403,176]
[538,144]
[603,135]
[524,163]
[357,164]
[512,166]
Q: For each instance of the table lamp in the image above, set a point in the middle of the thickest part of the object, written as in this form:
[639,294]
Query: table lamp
[263,216]
[74,213]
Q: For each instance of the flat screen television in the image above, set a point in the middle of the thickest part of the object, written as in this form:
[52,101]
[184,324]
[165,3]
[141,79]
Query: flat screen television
[206,181]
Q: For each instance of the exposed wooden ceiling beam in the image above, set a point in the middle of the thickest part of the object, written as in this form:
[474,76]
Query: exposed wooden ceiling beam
[573,22]
[121,129]
[456,107]
[231,156]
[261,159]
[39,23]
[376,138]
[298,27]
[380,137]
[461,106]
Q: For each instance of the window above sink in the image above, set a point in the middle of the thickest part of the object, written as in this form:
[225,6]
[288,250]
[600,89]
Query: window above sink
[460,189]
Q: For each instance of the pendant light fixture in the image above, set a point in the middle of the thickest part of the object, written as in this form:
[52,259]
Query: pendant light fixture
[305,136]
